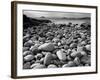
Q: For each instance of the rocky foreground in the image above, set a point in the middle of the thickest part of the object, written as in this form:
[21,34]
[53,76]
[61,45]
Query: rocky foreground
[53,45]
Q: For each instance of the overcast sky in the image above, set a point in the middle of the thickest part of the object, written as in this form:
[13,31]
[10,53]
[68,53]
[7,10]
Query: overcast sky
[49,14]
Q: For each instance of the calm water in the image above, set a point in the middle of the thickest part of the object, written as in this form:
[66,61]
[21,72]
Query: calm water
[63,21]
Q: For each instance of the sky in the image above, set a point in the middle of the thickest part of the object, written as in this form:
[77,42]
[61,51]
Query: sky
[51,14]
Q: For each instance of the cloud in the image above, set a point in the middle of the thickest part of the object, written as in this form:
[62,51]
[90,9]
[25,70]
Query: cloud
[53,14]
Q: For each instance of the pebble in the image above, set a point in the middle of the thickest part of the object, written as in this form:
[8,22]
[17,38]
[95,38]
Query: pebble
[42,60]
[28,43]
[25,49]
[69,64]
[88,47]
[73,45]
[87,65]
[28,57]
[34,64]
[34,49]
[46,47]
[83,43]
[63,41]
[48,58]
[39,56]
[77,61]
[83,53]
[26,65]
[40,66]
[86,59]
[66,47]
[68,58]
[42,39]
[52,66]
[57,62]
[26,53]
[75,54]
[61,55]
[59,43]
[56,40]
[37,61]
[26,38]
[54,56]
[79,49]
[69,51]
[33,61]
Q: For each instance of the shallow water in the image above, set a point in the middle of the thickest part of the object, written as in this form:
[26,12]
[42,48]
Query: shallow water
[63,21]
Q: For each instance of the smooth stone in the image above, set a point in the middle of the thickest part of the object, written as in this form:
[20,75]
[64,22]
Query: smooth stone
[40,66]
[48,58]
[63,62]
[54,56]
[56,40]
[87,65]
[83,43]
[26,53]
[50,38]
[83,53]
[37,61]
[57,62]
[28,57]
[68,58]
[73,45]
[44,53]
[88,47]
[63,41]
[66,47]
[28,43]
[39,56]
[37,43]
[69,51]
[34,64]
[69,64]
[74,50]
[26,38]
[25,49]
[34,49]
[80,65]
[69,41]
[75,54]
[75,40]
[79,49]
[41,60]
[26,65]
[54,52]
[86,59]
[33,61]
[59,44]
[42,39]
[61,55]
[77,61]
[79,40]
[83,36]
[46,47]
[52,66]
[49,34]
